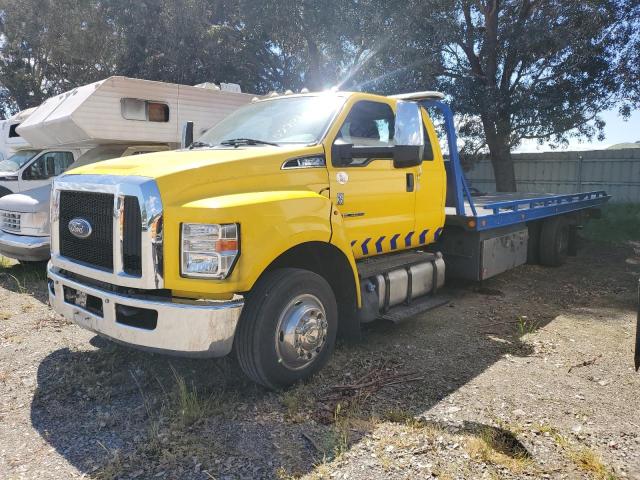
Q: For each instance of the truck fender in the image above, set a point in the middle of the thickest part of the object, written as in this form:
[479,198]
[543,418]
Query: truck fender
[271,224]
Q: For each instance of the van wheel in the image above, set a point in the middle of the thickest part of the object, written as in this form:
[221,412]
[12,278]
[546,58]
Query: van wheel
[554,241]
[288,327]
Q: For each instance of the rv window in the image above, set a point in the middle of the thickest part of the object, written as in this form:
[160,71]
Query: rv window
[144,110]
[158,112]
[12,131]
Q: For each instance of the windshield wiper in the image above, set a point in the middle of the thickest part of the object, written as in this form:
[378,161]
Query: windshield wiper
[199,145]
[236,142]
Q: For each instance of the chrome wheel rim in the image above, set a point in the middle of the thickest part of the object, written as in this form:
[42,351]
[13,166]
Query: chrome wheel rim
[301,333]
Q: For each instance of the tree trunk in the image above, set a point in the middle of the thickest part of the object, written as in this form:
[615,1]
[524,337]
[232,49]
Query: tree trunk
[502,164]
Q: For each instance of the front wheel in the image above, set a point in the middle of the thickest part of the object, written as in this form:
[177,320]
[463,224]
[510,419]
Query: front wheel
[288,327]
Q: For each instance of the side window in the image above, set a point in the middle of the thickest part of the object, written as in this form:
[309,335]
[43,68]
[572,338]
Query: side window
[369,124]
[48,165]
[13,133]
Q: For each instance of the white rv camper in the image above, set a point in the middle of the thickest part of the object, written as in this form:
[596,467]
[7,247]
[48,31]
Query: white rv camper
[115,117]
[126,108]
[10,139]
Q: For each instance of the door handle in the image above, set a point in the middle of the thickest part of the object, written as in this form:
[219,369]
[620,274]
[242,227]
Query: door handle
[410,182]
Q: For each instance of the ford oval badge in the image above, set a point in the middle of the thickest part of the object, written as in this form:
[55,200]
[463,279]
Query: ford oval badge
[79,227]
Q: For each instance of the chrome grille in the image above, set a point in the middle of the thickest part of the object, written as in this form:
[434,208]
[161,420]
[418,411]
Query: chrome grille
[10,221]
[97,209]
[132,255]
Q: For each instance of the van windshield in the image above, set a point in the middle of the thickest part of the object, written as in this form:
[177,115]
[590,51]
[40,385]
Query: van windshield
[17,160]
[281,120]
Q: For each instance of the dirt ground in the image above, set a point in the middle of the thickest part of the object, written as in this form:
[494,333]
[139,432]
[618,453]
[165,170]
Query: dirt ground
[529,375]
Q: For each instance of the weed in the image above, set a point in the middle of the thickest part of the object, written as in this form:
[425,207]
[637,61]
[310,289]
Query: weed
[524,325]
[295,400]
[398,415]
[584,458]
[113,467]
[340,432]
[499,447]
[191,407]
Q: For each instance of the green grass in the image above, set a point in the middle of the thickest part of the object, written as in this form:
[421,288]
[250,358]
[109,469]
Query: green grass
[620,222]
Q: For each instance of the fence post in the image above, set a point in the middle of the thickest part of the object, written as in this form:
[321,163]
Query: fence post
[579,174]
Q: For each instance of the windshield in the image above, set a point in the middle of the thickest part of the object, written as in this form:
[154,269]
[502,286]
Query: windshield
[282,120]
[17,160]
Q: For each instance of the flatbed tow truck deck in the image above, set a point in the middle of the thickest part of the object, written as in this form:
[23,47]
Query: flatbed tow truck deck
[501,209]
[490,233]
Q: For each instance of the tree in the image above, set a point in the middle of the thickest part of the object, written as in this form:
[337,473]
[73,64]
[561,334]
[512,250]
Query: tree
[629,62]
[49,47]
[526,69]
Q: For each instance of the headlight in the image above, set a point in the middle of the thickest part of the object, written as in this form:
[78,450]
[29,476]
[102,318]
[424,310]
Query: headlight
[209,250]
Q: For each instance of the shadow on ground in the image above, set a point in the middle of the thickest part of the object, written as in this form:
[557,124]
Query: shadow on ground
[114,412]
[24,278]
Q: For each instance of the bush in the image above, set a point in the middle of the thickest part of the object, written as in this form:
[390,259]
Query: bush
[620,222]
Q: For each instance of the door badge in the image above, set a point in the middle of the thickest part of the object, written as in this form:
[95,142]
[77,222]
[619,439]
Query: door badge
[342,177]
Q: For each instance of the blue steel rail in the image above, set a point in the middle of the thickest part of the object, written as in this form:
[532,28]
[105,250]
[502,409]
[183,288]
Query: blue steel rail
[502,213]
[518,211]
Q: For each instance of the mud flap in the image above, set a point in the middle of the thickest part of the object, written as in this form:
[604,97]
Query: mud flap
[637,352]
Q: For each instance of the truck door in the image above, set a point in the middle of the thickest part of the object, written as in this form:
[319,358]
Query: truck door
[431,184]
[376,200]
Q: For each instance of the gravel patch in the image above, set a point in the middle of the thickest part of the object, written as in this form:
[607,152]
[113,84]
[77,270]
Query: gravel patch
[529,375]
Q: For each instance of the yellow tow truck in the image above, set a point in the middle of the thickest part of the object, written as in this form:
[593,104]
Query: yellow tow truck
[294,220]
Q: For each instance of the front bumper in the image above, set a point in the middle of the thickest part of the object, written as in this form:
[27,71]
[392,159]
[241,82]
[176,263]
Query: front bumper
[24,247]
[184,328]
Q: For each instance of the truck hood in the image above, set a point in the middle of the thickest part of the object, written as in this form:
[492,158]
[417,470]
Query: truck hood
[30,201]
[161,164]
[186,175]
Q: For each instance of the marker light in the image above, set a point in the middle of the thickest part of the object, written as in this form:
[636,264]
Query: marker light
[209,250]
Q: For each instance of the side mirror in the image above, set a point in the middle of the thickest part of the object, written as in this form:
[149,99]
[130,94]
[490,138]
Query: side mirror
[408,139]
[187,134]
[405,156]
[341,153]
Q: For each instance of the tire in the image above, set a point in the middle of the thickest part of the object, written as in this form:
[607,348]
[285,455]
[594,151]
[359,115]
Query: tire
[533,243]
[268,344]
[554,242]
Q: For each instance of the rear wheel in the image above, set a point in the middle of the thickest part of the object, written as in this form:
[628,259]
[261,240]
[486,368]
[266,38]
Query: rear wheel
[554,241]
[533,243]
[288,327]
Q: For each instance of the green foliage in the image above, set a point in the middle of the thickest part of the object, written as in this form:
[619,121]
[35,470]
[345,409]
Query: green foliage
[49,47]
[515,69]
[620,222]
[519,69]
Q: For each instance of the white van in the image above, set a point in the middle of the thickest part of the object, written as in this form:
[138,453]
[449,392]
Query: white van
[33,168]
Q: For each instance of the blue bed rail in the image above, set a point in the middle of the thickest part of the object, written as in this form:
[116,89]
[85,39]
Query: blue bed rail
[504,213]
[547,201]
[454,168]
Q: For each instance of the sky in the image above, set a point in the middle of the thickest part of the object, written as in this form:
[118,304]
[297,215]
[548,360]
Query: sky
[616,131]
